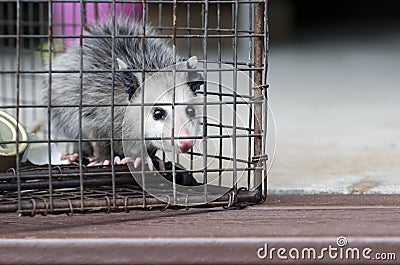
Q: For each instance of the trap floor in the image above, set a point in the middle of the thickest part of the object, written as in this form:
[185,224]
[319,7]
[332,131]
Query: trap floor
[211,236]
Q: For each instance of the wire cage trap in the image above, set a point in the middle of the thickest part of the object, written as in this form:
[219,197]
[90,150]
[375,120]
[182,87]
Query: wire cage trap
[223,161]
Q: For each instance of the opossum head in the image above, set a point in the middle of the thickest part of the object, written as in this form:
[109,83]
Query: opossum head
[170,111]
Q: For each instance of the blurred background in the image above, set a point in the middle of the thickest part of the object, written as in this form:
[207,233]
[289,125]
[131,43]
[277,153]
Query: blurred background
[335,79]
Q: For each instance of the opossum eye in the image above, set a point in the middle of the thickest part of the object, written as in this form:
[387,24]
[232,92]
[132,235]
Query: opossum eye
[195,85]
[159,114]
[190,111]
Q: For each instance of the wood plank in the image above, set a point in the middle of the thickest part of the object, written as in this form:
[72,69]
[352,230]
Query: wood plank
[206,235]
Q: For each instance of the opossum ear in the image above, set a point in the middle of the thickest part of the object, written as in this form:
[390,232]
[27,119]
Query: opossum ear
[196,79]
[130,81]
[192,62]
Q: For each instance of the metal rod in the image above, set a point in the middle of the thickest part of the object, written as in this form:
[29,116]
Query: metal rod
[219,51]
[266,66]
[173,129]
[143,72]
[235,13]
[250,120]
[258,81]
[82,22]
[113,33]
[49,94]
[17,91]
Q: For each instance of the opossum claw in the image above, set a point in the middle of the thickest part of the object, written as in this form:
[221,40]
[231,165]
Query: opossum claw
[127,160]
[71,158]
[137,162]
[150,163]
[117,160]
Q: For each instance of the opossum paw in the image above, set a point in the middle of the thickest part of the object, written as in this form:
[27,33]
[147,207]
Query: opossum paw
[135,161]
[117,160]
[71,158]
[138,161]
[126,160]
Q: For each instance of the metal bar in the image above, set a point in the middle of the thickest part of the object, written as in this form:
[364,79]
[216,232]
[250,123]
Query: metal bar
[80,108]
[205,120]
[266,65]
[96,13]
[49,94]
[140,1]
[244,135]
[174,25]
[219,51]
[31,9]
[91,175]
[189,31]
[71,206]
[136,104]
[93,182]
[17,91]
[258,81]
[235,13]
[160,14]
[143,48]
[250,120]
[41,39]
[189,54]
[113,66]
[135,71]
[240,34]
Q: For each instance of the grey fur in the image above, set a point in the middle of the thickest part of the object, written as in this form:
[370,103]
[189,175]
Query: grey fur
[97,87]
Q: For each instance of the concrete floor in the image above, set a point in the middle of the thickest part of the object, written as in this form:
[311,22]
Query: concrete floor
[337,112]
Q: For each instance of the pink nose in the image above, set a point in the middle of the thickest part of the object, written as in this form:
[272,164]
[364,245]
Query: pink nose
[185,144]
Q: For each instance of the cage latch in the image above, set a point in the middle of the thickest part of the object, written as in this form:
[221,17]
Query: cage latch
[260,158]
[265,86]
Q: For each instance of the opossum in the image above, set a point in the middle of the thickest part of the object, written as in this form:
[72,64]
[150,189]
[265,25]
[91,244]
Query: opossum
[95,83]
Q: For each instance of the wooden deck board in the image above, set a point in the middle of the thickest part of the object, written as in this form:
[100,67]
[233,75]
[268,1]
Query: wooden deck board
[232,235]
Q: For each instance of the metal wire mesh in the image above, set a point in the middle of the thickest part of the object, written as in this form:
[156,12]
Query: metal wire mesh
[229,158]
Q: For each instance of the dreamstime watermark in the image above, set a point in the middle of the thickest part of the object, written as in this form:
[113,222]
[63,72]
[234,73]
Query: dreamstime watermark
[339,251]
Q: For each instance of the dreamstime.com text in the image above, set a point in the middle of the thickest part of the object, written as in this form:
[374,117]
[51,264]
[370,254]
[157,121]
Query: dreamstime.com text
[338,251]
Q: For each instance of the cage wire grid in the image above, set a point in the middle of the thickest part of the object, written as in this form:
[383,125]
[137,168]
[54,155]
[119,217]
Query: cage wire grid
[234,33]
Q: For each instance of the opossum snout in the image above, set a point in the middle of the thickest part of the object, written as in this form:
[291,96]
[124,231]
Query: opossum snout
[185,144]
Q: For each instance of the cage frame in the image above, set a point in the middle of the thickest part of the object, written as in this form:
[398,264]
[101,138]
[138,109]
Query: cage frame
[234,198]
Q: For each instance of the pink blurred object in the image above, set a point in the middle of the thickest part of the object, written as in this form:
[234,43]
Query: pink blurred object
[67,19]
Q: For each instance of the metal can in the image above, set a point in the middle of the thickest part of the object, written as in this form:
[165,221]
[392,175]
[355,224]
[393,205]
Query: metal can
[9,129]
